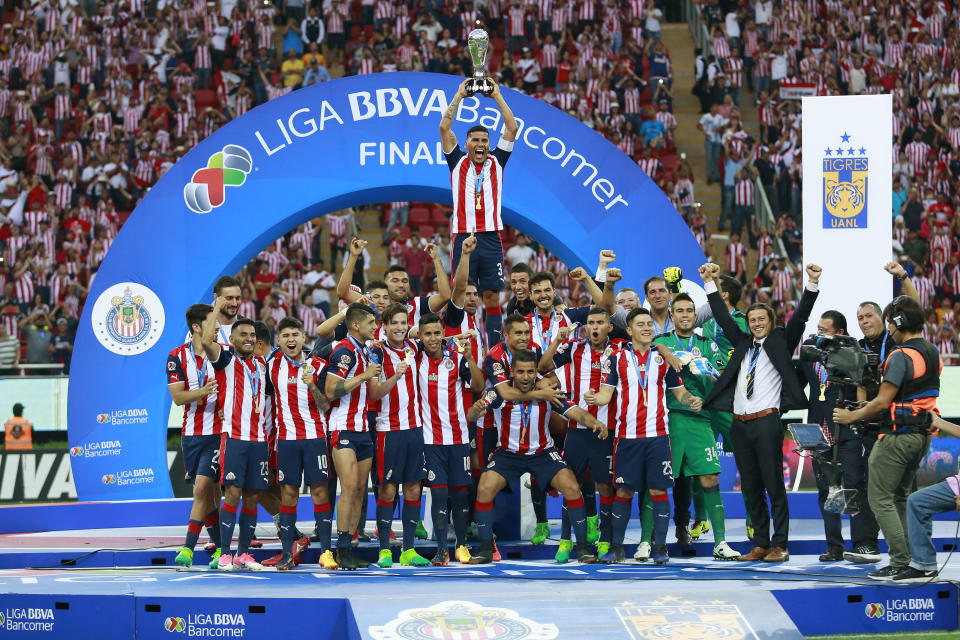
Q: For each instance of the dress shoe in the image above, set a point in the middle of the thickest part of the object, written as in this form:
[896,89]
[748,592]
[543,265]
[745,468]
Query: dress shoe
[832,554]
[777,554]
[756,554]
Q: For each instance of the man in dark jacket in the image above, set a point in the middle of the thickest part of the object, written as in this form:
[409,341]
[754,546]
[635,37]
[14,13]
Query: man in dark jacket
[758,384]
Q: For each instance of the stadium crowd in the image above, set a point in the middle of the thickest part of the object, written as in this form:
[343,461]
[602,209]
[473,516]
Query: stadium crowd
[99,99]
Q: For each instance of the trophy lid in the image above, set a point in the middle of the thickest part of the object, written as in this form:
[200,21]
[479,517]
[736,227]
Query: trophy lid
[478,34]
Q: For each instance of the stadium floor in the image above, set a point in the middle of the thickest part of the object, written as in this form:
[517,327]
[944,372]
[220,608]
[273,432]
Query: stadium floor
[527,590]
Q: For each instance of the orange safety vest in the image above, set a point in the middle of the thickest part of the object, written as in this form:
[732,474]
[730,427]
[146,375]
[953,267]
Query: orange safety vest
[25,441]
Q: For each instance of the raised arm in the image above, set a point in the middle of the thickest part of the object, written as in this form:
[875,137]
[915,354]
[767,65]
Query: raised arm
[798,321]
[209,334]
[440,298]
[510,127]
[344,292]
[608,300]
[463,271]
[546,364]
[447,136]
[906,284]
[580,275]
[709,273]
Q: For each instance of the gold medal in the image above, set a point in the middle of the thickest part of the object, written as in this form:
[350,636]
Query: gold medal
[307,367]
[823,392]
[643,395]
[478,205]
[256,404]
[747,381]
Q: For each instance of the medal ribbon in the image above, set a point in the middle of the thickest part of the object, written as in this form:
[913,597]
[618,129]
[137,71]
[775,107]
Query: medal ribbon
[201,367]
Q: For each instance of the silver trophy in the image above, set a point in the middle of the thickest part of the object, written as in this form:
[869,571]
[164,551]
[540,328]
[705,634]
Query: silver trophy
[478,42]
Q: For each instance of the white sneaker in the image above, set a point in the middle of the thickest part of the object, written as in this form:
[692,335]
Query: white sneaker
[246,561]
[722,551]
[643,552]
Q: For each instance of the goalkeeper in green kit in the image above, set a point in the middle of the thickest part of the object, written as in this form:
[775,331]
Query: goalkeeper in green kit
[692,440]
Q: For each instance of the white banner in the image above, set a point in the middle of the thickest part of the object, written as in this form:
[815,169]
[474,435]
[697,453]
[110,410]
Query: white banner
[847,200]
[796,90]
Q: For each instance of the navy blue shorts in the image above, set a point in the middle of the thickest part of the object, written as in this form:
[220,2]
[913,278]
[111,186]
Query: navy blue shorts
[302,460]
[244,464]
[486,261]
[448,464]
[640,463]
[400,456]
[201,456]
[584,451]
[542,467]
[359,441]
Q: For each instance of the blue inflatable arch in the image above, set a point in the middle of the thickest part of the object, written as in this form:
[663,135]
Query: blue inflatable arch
[350,142]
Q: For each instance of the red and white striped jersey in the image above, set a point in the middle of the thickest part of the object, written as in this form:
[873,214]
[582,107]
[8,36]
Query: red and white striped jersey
[743,193]
[736,257]
[641,382]
[548,55]
[457,321]
[338,225]
[925,289]
[477,189]
[631,101]
[734,71]
[200,417]
[782,281]
[296,415]
[23,292]
[524,426]
[349,358]
[515,16]
[543,329]
[580,368]
[441,386]
[242,395]
[398,410]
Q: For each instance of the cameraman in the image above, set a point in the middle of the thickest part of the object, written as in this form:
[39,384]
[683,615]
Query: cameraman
[879,341]
[824,396]
[909,390]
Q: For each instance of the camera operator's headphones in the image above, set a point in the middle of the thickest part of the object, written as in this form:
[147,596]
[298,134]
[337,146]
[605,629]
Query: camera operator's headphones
[897,315]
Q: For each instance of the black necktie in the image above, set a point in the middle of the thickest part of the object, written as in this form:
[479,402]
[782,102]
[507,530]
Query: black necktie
[751,370]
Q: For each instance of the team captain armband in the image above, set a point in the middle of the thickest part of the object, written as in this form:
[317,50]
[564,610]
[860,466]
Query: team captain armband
[506,145]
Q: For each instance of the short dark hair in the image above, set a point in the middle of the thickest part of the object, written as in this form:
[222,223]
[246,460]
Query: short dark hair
[522,267]
[357,312]
[525,355]
[732,287]
[838,320]
[290,322]
[392,269]
[477,129]
[650,280]
[223,282]
[376,284]
[639,311]
[240,321]
[685,297]
[262,332]
[18,410]
[543,276]
[472,283]
[197,313]
[598,311]
[512,319]
[909,310]
[870,303]
[392,310]
[430,318]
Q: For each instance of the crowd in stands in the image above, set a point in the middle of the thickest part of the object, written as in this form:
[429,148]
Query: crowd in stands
[99,99]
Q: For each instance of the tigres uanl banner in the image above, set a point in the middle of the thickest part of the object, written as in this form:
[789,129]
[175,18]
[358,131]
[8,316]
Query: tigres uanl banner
[847,222]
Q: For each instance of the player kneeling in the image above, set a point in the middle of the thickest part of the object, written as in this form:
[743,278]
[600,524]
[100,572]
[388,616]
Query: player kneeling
[526,446]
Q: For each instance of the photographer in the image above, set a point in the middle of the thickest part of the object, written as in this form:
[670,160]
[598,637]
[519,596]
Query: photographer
[909,390]
[876,340]
[824,396]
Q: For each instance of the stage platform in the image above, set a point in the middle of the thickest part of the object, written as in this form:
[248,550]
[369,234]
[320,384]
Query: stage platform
[121,582]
